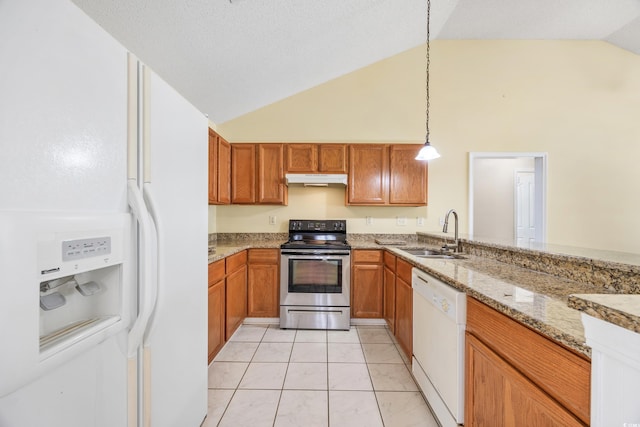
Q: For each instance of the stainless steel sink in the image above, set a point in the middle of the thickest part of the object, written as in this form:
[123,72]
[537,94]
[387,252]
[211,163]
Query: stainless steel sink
[430,253]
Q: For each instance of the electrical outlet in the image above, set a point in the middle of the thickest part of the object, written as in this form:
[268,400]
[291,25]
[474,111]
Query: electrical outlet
[420,221]
[401,221]
[272,220]
[441,220]
[368,220]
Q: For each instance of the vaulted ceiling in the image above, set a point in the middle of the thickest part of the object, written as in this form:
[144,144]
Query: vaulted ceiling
[230,57]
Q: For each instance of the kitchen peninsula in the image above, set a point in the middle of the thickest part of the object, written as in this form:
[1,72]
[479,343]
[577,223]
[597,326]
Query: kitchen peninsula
[519,286]
[529,285]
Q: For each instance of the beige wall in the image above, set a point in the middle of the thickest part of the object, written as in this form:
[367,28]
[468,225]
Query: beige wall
[565,98]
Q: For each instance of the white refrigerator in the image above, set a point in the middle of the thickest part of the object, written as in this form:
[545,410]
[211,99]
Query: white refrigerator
[103,230]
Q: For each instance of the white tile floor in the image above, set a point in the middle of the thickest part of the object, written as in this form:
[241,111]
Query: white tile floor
[265,376]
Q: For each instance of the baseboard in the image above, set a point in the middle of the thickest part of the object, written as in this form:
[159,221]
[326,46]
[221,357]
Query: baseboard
[276,321]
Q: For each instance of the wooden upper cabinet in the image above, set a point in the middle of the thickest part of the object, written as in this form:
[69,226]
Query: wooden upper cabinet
[332,158]
[243,173]
[224,171]
[368,174]
[213,168]
[301,158]
[257,174]
[271,187]
[316,158]
[386,175]
[219,170]
[407,176]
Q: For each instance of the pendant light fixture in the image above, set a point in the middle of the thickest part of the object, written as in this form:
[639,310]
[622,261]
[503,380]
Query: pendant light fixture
[428,152]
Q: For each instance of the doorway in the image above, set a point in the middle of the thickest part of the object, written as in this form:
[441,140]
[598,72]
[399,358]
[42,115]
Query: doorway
[507,197]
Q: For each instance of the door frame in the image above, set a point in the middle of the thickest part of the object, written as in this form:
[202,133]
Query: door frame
[540,170]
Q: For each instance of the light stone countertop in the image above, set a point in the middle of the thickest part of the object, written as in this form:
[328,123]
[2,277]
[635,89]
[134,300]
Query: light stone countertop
[538,300]
[224,249]
[620,309]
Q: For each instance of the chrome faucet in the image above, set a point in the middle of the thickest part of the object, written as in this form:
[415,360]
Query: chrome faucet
[456,245]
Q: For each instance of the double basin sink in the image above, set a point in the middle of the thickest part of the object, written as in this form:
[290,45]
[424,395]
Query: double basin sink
[430,253]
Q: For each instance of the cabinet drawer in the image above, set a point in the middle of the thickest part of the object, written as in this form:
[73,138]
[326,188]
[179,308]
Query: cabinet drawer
[403,270]
[236,261]
[264,256]
[559,372]
[390,261]
[216,272]
[367,256]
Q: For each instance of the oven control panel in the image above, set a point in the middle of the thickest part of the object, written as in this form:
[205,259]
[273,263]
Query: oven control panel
[330,225]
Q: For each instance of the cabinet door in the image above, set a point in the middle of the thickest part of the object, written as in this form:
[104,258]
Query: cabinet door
[271,188]
[404,316]
[213,168]
[263,297]
[368,174]
[243,173]
[407,176]
[302,158]
[216,329]
[568,382]
[498,395]
[224,171]
[236,301]
[389,306]
[366,291]
[332,158]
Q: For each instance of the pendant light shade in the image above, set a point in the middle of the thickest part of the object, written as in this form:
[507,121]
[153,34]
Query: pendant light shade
[427,152]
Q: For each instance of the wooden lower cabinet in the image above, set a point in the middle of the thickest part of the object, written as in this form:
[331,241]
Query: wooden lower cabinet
[216,330]
[404,316]
[236,297]
[263,277]
[389,291]
[516,377]
[366,284]
[498,395]
[216,308]
[404,307]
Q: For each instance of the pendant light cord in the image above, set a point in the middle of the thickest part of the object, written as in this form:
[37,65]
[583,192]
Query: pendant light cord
[428,63]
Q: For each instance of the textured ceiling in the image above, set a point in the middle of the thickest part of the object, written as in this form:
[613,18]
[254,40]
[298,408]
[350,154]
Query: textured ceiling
[232,57]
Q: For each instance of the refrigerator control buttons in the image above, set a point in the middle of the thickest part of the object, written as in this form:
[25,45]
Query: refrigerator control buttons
[85,248]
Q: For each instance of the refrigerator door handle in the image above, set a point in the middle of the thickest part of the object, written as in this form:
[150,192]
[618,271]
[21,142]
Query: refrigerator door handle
[146,290]
[157,292]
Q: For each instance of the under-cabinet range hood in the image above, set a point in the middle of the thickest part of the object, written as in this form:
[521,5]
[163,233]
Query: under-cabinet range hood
[316,179]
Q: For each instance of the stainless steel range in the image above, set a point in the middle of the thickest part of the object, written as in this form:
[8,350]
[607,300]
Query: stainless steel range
[314,276]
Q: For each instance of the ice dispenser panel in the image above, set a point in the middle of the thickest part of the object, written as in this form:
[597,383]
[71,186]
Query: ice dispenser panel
[68,282]
[82,292]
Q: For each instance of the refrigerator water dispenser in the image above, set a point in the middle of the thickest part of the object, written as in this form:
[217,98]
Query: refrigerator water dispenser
[68,285]
[75,306]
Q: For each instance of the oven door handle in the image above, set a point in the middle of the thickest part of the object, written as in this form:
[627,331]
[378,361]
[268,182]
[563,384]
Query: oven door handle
[307,255]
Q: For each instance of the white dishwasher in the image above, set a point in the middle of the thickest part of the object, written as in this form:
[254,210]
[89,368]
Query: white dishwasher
[439,321]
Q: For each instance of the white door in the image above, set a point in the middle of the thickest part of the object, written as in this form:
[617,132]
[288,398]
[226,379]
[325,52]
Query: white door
[525,207]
